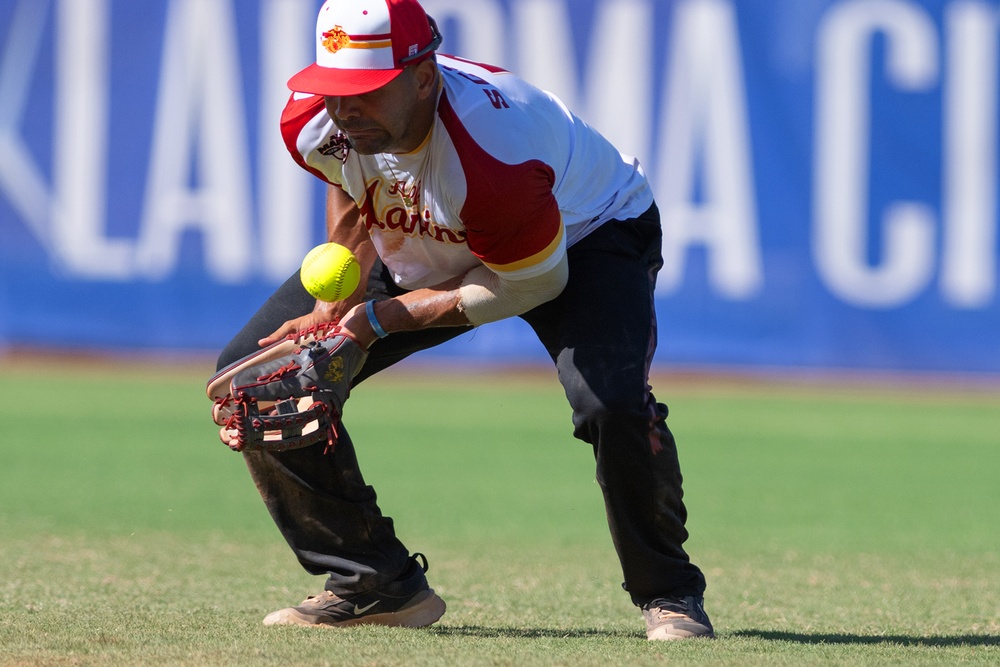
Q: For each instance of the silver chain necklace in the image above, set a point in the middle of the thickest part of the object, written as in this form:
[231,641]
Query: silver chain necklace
[402,189]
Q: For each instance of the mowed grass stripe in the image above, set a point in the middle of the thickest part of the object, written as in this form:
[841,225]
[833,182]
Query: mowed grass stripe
[837,525]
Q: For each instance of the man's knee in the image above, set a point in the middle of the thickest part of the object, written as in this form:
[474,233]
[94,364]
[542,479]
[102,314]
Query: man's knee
[235,350]
[604,406]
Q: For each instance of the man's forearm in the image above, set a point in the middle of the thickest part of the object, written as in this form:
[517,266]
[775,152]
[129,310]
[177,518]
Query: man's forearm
[420,309]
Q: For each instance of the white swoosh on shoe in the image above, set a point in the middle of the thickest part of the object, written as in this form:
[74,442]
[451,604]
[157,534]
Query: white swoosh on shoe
[360,610]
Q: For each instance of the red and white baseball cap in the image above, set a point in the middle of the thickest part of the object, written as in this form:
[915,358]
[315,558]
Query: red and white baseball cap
[362,45]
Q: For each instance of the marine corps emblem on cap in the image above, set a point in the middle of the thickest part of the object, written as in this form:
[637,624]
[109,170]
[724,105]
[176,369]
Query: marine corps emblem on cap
[335,39]
[362,45]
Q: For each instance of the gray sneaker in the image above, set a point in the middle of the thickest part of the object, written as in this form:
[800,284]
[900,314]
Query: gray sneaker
[676,618]
[407,602]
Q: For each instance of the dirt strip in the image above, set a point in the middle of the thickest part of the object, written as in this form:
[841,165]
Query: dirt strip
[665,378]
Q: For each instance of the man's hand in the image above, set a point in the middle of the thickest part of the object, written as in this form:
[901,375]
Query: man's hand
[350,317]
[343,226]
[356,323]
[323,313]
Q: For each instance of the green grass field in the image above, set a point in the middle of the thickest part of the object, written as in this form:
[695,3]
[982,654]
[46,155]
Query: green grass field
[837,524]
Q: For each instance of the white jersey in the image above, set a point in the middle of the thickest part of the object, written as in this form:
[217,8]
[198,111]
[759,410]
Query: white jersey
[507,177]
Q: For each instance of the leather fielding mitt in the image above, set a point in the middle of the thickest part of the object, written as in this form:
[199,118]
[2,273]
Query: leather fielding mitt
[288,395]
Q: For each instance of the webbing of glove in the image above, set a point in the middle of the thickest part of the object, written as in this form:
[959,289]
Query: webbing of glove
[280,430]
[327,364]
[219,386]
[267,406]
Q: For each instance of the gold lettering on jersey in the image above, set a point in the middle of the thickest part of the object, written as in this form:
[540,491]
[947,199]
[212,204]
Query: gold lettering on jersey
[399,219]
[336,39]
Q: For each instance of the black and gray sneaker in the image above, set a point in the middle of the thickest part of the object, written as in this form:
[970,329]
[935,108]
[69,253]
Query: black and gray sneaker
[407,602]
[676,618]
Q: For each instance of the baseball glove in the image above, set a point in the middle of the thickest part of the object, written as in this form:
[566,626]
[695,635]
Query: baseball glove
[288,395]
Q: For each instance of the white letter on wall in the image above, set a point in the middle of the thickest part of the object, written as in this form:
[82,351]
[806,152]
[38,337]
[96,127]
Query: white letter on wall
[482,29]
[705,116]
[842,169]
[81,144]
[21,178]
[616,96]
[969,266]
[287,228]
[200,117]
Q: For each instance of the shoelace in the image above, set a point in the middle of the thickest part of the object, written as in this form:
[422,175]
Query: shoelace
[418,557]
[319,599]
[325,596]
[670,609]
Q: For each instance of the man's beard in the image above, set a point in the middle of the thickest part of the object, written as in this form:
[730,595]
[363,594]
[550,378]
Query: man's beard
[367,140]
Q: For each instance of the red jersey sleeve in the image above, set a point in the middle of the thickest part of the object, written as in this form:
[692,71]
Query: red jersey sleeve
[510,214]
[299,114]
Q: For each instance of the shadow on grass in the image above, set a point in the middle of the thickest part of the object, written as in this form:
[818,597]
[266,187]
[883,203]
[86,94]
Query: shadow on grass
[484,632]
[903,640]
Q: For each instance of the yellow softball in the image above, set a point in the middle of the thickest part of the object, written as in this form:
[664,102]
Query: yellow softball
[330,272]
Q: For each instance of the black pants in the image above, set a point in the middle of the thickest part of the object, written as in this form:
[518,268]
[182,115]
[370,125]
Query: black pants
[601,334]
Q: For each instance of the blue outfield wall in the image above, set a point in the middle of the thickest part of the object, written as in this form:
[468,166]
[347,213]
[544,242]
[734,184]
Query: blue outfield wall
[827,170]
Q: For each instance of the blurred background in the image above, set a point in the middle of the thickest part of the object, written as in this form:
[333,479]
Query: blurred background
[827,170]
